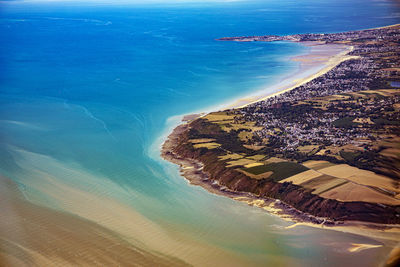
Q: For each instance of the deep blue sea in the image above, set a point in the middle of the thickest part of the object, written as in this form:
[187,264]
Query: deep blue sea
[88,91]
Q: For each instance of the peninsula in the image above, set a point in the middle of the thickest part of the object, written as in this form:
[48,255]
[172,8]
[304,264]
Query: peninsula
[326,151]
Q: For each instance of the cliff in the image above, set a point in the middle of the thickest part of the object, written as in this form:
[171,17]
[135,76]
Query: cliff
[214,171]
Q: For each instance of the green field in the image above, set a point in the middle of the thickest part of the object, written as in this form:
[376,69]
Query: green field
[346,122]
[281,170]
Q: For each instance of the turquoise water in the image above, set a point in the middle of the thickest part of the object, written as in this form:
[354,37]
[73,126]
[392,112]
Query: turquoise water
[88,91]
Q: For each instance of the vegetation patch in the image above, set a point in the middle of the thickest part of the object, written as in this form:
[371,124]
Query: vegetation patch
[230,156]
[253,164]
[345,122]
[281,170]
[350,192]
[323,183]
[382,121]
[257,157]
[307,148]
[318,164]
[245,136]
[207,145]
[363,120]
[349,156]
[274,160]
[219,116]
[228,126]
[240,162]
[253,147]
[301,177]
[201,140]
[261,176]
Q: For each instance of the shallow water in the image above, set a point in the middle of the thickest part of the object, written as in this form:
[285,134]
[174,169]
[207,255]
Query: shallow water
[88,92]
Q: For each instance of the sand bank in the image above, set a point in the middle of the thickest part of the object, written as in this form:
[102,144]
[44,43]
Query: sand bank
[32,235]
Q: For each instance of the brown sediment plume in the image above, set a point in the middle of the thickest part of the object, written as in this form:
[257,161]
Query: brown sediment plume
[116,218]
[31,235]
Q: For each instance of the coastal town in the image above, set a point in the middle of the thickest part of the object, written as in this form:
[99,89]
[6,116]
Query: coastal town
[351,106]
[343,37]
[328,148]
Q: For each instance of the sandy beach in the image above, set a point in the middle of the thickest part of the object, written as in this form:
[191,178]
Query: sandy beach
[320,59]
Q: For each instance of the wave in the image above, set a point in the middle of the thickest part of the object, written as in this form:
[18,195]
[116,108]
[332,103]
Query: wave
[94,21]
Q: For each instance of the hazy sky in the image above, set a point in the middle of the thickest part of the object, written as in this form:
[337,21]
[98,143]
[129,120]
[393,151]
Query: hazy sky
[131,1]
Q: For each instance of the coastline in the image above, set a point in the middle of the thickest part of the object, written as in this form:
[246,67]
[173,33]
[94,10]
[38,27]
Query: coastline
[328,59]
[320,59]
[312,65]
[193,172]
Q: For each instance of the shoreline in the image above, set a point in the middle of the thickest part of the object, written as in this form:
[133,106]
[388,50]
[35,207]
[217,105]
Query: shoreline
[313,64]
[320,59]
[193,172]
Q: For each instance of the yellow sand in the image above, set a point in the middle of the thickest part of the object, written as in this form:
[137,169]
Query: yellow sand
[359,247]
[390,236]
[330,61]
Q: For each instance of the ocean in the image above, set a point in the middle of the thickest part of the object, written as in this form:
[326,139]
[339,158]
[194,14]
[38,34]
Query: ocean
[89,91]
